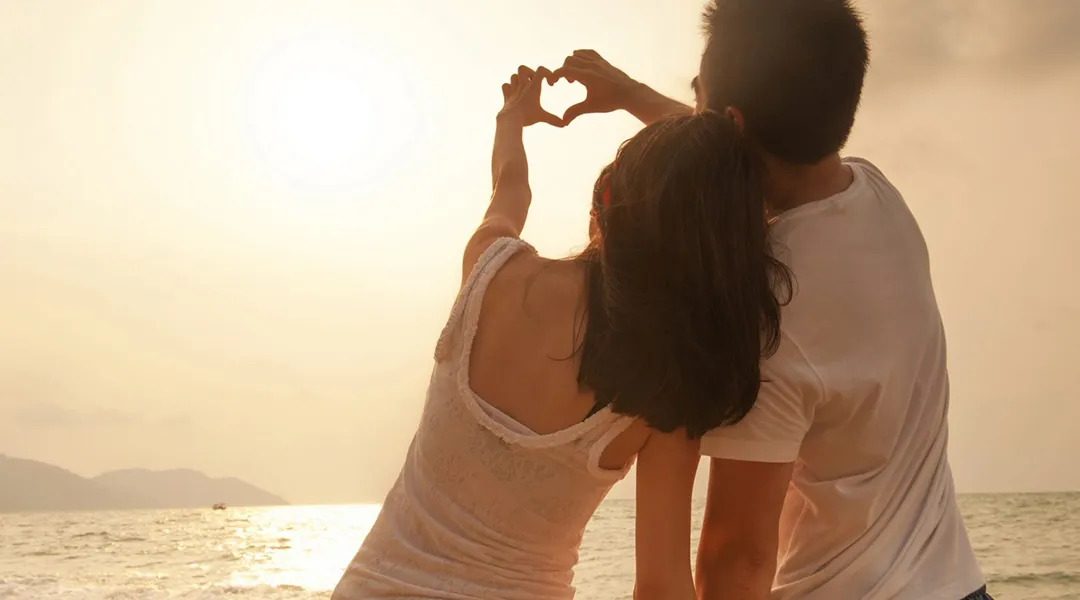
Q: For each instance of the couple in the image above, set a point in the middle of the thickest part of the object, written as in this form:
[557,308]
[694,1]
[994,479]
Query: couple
[663,341]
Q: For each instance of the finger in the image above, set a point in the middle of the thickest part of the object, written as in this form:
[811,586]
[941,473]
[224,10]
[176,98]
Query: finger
[545,74]
[506,91]
[540,74]
[525,73]
[550,119]
[586,52]
[576,61]
[575,111]
[514,82]
[534,86]
[560,72]
[575,73]
[565,72]
[589,57]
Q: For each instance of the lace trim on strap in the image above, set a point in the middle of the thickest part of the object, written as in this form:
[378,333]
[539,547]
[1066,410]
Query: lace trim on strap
[468,309]
[621,424]
[447,338]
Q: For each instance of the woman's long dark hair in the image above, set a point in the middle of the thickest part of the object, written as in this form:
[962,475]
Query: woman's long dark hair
[683,287]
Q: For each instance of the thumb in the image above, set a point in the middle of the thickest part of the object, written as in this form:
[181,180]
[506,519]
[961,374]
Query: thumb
[575,111]
[550,119]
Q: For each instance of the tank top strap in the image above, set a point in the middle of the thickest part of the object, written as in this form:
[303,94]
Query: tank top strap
[588,438]
[611,425]
[460,328]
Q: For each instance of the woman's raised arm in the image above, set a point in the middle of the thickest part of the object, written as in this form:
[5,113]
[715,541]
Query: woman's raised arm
[511,194]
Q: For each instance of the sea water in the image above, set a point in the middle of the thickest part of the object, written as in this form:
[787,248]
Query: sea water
[1028,545]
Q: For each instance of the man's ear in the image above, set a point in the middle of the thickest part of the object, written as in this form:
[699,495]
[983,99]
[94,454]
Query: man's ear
[736,117]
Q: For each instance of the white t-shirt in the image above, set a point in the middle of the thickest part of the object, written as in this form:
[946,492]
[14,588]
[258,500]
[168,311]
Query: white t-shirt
[857,397]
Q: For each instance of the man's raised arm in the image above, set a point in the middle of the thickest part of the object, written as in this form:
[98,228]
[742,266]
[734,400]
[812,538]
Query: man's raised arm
[608,89]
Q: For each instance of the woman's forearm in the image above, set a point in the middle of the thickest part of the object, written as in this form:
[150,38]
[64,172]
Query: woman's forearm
[511,195]
[509,164]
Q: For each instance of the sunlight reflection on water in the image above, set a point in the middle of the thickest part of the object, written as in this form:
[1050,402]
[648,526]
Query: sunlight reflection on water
[1027,545]
[304,546]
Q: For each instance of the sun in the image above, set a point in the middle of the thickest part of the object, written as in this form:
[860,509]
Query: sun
[312,111]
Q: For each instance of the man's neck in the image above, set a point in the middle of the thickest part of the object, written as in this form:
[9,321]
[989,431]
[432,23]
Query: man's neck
[791,186]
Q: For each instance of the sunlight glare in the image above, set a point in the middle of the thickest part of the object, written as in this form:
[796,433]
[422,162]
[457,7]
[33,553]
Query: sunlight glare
[300,546]
[313,113]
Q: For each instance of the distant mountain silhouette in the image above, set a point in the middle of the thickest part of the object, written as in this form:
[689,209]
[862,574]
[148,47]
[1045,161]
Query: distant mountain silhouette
[185,488]
[29,485]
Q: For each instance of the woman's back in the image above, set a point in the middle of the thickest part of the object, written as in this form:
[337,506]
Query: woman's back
[661,321]
[494,497]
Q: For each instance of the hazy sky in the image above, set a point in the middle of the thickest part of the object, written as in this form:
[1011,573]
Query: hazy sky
[230,231]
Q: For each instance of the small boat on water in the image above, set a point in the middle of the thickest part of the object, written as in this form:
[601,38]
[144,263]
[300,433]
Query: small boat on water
[219,506]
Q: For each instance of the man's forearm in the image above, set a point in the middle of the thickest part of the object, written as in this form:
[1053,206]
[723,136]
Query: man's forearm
[650,106]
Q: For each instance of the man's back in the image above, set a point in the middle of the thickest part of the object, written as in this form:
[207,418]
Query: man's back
[857,396]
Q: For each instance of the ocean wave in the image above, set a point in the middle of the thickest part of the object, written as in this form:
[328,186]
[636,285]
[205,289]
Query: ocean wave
[1052,577]
[88,534]
[51,590]
[27,581]
[127,539]
[147,565]
[109,537]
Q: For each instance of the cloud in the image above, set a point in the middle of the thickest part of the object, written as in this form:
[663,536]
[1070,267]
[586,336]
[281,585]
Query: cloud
[36,400]
[915,38]
[51,414]
[46,414]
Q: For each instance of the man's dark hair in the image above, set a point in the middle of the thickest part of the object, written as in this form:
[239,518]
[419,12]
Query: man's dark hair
[793,68]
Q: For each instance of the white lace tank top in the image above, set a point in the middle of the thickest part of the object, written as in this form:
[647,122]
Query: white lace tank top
[483,507]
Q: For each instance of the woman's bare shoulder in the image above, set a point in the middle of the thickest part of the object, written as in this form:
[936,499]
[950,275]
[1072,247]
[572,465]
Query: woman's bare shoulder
[542,286]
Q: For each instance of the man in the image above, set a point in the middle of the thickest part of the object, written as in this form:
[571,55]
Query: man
[850,423]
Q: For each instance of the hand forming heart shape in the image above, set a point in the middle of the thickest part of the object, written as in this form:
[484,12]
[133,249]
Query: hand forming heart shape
[562,94]
[606,89]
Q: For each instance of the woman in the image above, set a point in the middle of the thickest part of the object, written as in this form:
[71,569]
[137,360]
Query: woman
[552,376]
